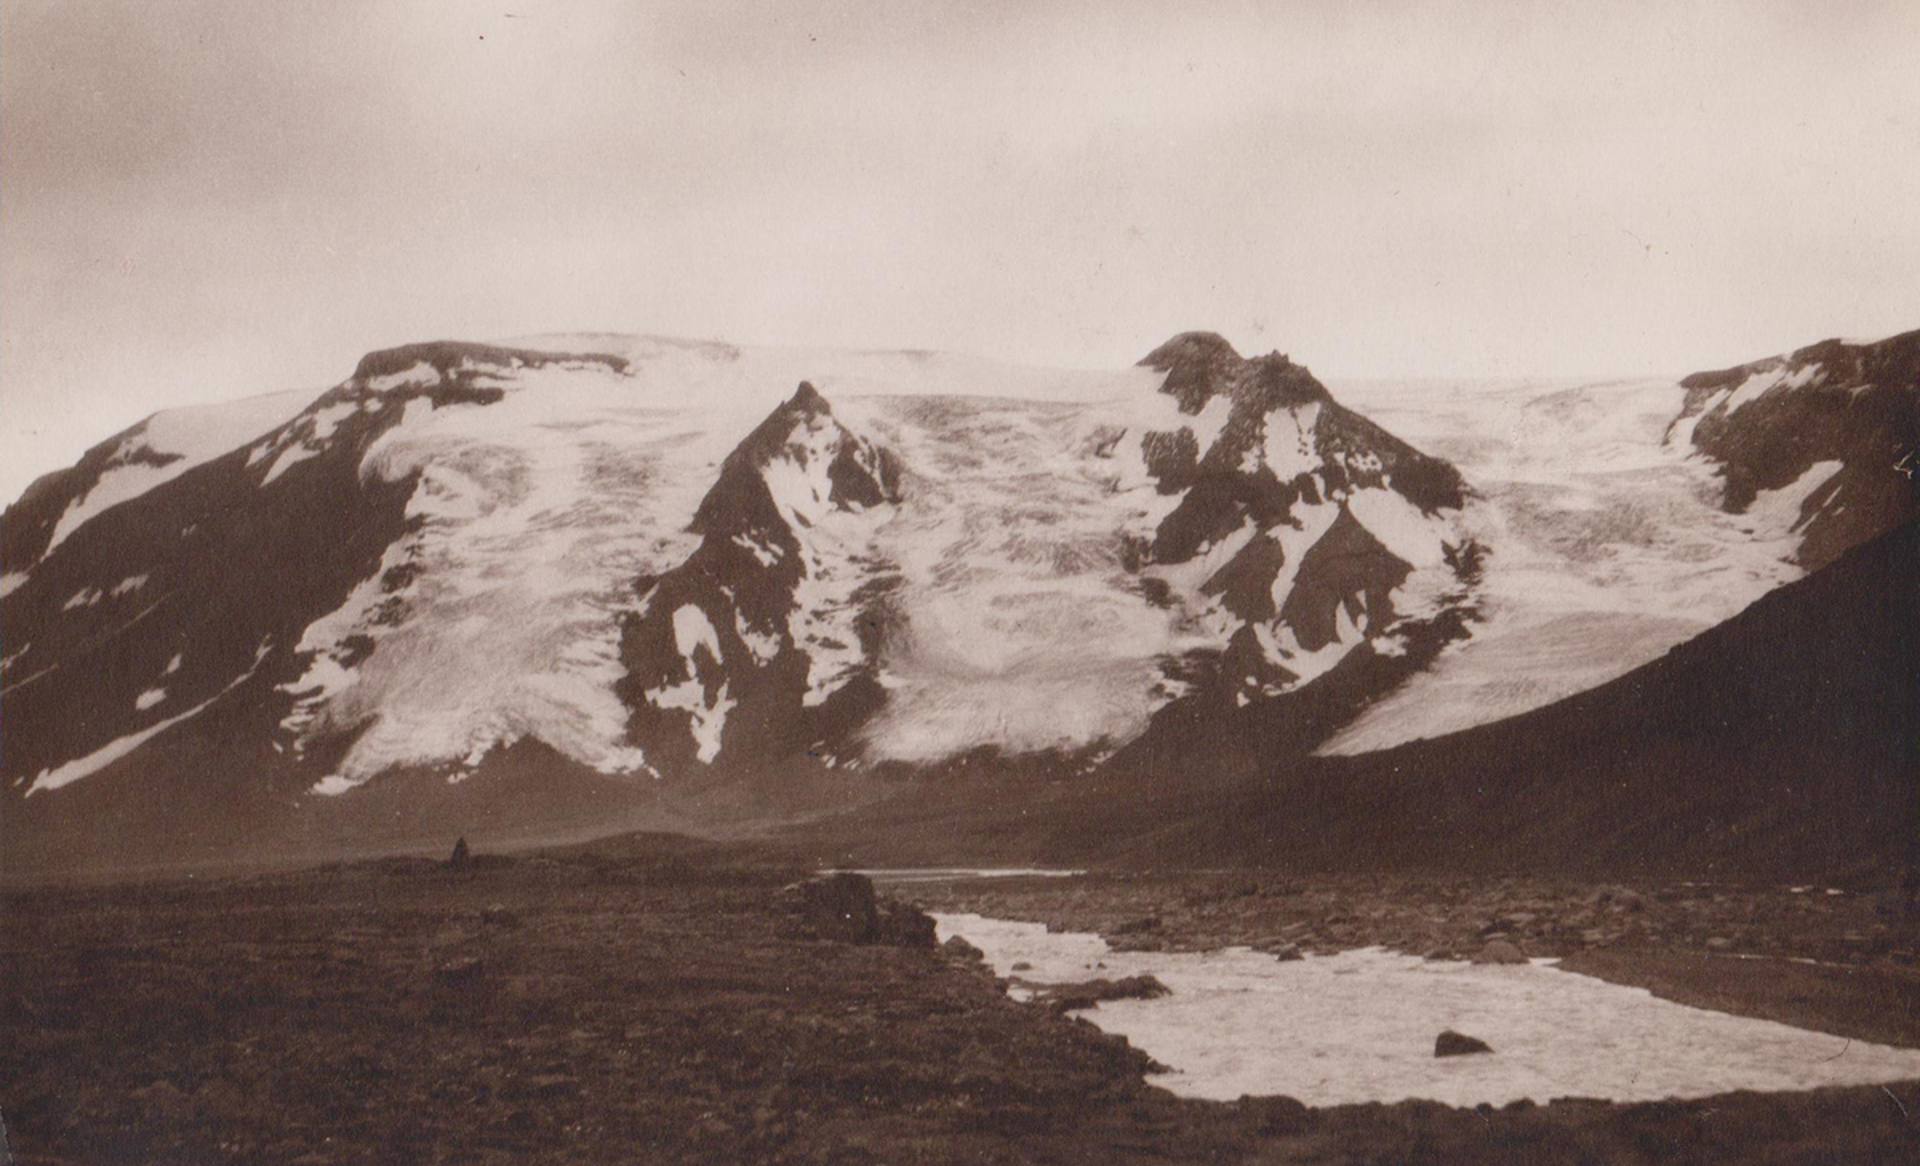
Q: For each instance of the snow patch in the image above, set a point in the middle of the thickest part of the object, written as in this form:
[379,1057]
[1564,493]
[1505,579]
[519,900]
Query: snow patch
[708,719]
[85,597]
[421,373]
[12,581]
[1291,442]
[1359,1027]
[149,698]
[130,584]
[189,437]
[72,771]
[1774,513]
[691,630]
[1412,537]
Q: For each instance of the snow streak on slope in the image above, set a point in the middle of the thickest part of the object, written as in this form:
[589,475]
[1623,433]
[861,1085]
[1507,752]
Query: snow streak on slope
[1609,544]
[170,443]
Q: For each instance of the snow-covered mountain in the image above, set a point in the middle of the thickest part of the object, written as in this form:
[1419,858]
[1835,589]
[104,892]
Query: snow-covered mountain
[617,571]
[1629,517]
[658,559]
[1832,424]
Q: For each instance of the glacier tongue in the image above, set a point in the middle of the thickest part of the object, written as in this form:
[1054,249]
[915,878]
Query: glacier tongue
[497,617]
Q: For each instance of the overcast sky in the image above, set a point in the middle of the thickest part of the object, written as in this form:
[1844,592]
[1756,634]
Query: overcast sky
[206,200]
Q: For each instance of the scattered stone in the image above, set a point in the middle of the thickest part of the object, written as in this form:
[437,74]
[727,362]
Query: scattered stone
[497,915]
[1288,951]
[1500,952]
[1719,943]
[1441,953]
[1454,1044]
[1019,965]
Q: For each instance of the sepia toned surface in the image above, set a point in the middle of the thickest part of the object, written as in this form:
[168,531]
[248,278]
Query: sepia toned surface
[566,570]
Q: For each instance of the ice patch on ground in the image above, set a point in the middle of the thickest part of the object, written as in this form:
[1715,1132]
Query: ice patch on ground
[1360,1027]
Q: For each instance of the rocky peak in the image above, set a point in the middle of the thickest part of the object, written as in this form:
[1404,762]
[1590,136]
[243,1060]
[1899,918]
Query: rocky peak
[1831,424]
[1202,365]
[1198,366]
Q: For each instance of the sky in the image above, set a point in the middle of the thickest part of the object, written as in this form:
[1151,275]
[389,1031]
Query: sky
[206,200]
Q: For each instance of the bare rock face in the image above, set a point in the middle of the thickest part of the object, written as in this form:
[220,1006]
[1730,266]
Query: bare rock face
[765,640]
[843,907]
[1454,1044]
[1838,414]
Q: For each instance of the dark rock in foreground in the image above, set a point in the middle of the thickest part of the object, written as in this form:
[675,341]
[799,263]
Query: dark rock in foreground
[1455,1044]
[1071,997]
[843,907]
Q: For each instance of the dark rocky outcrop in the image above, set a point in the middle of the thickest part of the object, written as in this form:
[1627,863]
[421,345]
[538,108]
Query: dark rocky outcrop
[752,664]
[1777,746]
[1087,993]
[842,907]
[1454,1044]
[1855,404]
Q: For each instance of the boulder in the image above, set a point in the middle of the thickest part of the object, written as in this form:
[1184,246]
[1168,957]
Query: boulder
[904,925]
[839,906]
[1454,1044]
[1500,952]
[955,945]
[461,858]
[843,907]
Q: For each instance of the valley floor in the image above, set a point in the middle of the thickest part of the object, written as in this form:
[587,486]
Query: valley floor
[641,1001]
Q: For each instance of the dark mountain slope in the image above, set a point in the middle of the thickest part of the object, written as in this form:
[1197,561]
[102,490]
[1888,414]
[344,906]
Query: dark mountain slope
[1771,421]
[1778,745]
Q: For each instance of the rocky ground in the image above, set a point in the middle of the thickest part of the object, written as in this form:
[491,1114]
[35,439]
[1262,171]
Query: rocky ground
[652,1001]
